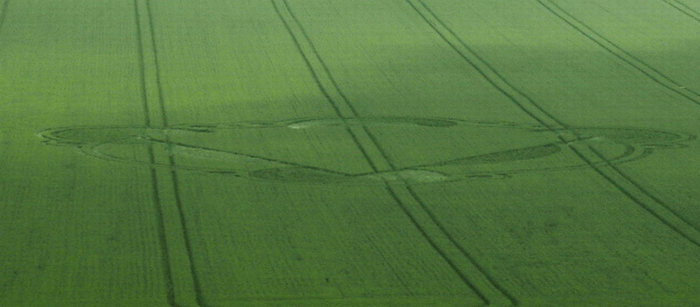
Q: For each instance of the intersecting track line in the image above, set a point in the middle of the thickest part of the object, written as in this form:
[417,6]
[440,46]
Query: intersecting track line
[160,224]
[648,70]
[565,133]
[317,77]
[325,89]
[183,288]
[684,8]
[617,51]
[420,215]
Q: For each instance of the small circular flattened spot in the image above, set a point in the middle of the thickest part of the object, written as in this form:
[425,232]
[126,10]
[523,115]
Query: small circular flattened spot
[315,123]
[411,176]
[632,135]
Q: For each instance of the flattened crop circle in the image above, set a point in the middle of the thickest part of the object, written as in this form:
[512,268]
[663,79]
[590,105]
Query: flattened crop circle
[100,142]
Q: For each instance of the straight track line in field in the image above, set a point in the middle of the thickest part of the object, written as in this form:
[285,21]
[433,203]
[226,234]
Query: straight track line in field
[648,70]
[684,8]
[142,66]
[565,133]
[330,90]
[183,287]
[160,222]
[326,83]
[617,51]
[419,214]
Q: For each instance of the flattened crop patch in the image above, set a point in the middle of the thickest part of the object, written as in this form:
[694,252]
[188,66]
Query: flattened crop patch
[121,144]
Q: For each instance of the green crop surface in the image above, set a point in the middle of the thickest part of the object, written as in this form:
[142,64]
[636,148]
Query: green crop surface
[349,153]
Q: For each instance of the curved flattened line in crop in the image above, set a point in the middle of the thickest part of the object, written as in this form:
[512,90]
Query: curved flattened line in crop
[630,154]
[86,136]
[93,150]
[620,53]
[315,122]
[638,144]
[684,8]
[565,127]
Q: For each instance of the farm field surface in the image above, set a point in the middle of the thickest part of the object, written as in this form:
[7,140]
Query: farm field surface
[349,153]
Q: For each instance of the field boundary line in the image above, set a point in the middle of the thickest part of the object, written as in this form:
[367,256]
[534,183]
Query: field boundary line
[418,213]
[684,8]
[565,133]
[617,51]
[181,276]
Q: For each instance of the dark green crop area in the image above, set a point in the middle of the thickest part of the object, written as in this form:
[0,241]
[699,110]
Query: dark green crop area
[349,153]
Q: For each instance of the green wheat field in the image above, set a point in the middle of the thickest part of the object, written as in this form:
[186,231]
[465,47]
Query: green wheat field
[349,153]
